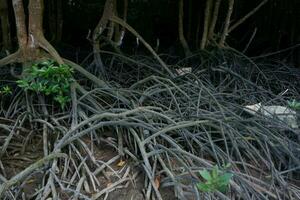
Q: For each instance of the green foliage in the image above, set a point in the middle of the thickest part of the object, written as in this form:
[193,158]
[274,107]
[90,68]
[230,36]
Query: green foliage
[6,90]
[294,104]
[49,78]
[215,180]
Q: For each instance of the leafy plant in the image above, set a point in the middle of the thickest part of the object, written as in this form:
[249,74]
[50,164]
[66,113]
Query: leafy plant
[215,180]
[49,78]
[294,104]
[5,90]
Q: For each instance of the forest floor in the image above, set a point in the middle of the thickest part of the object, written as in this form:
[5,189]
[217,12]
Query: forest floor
[151,136]
[126,190]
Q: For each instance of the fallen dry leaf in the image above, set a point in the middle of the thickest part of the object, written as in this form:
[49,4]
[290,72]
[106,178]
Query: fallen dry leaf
[108,184]
[121,163]
[157,182]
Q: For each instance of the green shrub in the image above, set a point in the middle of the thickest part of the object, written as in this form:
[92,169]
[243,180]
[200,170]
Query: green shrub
[215,180]
[49,78]
[6,90]
[295,105]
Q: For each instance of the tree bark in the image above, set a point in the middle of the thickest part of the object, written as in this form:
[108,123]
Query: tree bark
[20,24]
[214,19]
[190,20]
[59,21]
[5,26]
[227,23]
[101,26]
[55,16]
[206,23]
[36,36]
[120,31]
[182,39]
[51,19]
[31,42]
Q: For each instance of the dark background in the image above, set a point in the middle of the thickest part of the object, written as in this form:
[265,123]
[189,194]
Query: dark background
[277,25]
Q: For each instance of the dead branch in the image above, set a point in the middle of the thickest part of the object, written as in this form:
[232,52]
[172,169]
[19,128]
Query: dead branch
[239,22]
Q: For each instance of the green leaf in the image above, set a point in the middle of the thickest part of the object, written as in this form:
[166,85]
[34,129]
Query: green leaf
[6,90]
[205,174]
[216,179]
[225,178]
[215,172]
[49,78]
[223,188]
[22,84]
[294,104]
[204,187]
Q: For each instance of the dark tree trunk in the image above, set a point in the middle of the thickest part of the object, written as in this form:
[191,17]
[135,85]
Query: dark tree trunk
[5,26]
[182,39]
[55,17]
[59,21]
[32,43]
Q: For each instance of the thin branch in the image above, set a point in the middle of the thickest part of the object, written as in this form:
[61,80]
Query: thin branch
[250,40]
[227,22]
[129,28]
[239,22]
[92,77]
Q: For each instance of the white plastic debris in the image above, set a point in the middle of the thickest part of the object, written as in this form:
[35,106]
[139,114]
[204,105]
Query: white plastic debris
[282,113]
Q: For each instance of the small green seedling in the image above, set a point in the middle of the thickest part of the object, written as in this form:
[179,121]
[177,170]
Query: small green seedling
[6,90]
[295,105]
[215,180]
[49,78]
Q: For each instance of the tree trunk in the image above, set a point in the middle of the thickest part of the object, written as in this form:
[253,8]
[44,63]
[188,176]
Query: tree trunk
[101,26]
[55,17]
[32,43]
[182,39]
[190,20]
[5,26]
[214,20]
[207,16]
[51,19]
[20,24]
[120,31]
[227,23]
[59,21]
